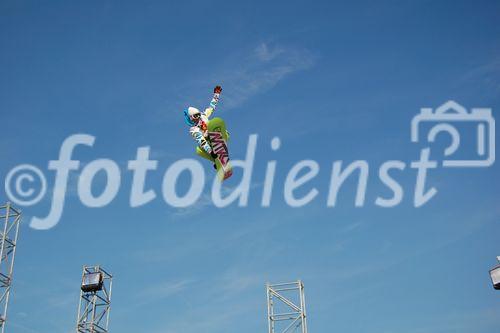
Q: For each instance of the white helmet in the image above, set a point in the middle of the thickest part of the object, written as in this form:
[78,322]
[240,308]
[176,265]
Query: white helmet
[192,115]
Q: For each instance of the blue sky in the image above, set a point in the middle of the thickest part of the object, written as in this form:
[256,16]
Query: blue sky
[334,80]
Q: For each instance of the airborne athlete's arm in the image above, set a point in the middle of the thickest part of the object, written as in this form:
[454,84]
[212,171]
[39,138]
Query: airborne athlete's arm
[213,103]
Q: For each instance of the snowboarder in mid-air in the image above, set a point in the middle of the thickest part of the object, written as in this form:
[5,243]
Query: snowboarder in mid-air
[210,135]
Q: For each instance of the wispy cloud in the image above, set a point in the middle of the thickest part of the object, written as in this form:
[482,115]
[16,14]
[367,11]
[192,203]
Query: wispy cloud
[243,75]
[266,53]
[463,321]
[206,201]
[203,202]
[484,78]
[22,328]
[163,290]
[261,70]
[215,307]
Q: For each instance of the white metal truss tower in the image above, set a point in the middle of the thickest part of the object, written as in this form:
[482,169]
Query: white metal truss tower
[95,300]
[10,219]
[286,307]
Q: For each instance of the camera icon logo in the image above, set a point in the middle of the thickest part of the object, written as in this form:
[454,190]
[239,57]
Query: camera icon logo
[444,119]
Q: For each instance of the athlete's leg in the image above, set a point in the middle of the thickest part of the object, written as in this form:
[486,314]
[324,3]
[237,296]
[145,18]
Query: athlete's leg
[204,154]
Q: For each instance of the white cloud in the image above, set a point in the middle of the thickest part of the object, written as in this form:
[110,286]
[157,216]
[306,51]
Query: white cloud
[261,71]
[265,54]
[163,290]
[482,80]
[219,304]
[203,202]
[206,201]
[472,320]
[243,75]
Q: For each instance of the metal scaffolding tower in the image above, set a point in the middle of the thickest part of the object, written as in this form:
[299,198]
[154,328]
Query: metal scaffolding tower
[95,300]
[286,307]
[10,218]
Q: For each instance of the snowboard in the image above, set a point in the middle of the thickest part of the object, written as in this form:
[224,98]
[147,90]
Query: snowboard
[217,137]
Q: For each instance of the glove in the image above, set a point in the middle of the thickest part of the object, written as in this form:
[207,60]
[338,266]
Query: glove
[217,89]
[214,155]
